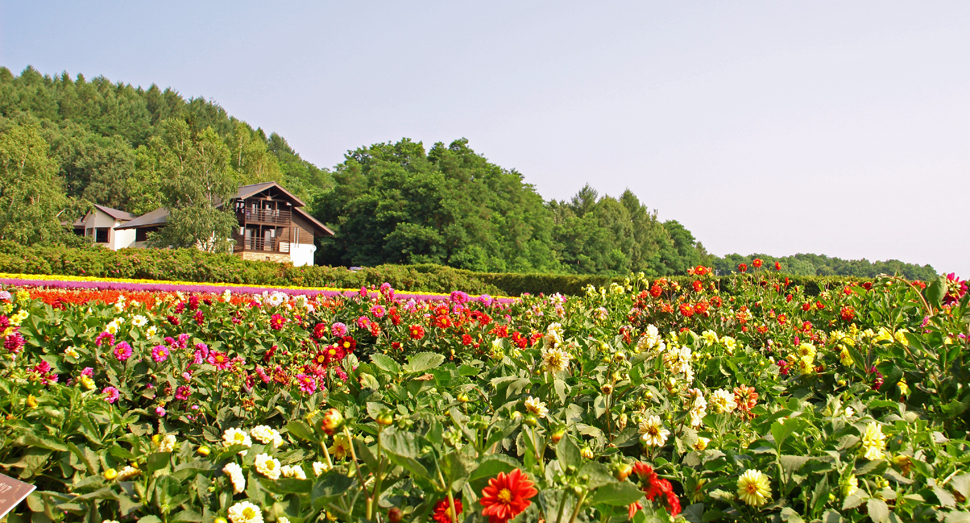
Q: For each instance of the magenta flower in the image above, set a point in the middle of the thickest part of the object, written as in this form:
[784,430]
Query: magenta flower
[111,394]
[159,353]
[160,411]
[122,351]
[88,371]
[183,392]
[104,336]
[363,322]
[338,329]
[308,384]
[14,343]
[378,311]
[459,297]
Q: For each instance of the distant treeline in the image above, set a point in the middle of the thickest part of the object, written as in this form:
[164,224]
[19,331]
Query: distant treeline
[67,143]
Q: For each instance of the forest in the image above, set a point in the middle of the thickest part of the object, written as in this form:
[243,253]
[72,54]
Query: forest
[67,143]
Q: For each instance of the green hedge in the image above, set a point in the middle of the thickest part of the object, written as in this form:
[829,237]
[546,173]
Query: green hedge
[196,266]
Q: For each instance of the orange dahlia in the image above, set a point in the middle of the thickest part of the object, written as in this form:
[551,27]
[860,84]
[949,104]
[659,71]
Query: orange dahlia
[506,496]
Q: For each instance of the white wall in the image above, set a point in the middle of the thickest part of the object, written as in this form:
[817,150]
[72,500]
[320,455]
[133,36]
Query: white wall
[302,253]
[116,239]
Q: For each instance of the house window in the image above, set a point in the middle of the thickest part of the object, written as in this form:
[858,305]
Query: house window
[101,235]
[141,235]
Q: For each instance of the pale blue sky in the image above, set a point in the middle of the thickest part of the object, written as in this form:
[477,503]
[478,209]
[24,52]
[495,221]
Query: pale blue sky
[838,128]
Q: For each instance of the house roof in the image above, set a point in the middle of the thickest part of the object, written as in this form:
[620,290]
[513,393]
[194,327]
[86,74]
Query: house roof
[157,217]
[249,190]
[313,221]
[115,213]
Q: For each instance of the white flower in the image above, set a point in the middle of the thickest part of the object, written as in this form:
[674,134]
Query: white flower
[536,407]
[698,408]
[234,436]
[127,473]
[293,471]
[553,336]
[652,432]
[71,352]
[264,434]
[236,476]
[319,468]
[151,332]
[139,321]
[245,512]
[268,466]
[555,360]
[168,443]
[723,401]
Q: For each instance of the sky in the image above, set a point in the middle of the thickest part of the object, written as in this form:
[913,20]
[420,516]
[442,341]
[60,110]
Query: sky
[836,128]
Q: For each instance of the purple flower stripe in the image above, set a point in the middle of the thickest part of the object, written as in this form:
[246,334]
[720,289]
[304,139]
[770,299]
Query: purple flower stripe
[217,289]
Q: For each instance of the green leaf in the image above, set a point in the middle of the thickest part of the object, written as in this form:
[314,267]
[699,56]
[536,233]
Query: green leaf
[385,363]
[616,494]
[878,510]
[329,486]
[787,514]
[301,430]
[423,361]
[782,429]
[568,453]
[44,441]
[936,291]
[831,516]
[854,500]
[562,390]
[186,516]
[149,519]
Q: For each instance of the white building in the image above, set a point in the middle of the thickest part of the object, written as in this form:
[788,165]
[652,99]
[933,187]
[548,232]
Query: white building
[101,225]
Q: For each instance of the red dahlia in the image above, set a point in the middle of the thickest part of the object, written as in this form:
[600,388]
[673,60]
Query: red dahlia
[442,511]
[506,496]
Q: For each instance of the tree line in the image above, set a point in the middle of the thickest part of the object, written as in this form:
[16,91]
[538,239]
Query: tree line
[67,143]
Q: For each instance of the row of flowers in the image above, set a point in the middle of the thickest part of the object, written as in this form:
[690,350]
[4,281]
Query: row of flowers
[738,399]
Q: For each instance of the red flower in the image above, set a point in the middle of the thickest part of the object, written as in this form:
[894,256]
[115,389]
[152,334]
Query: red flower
[506,496]
[442,511]
[777,266]
[633,508]
[656,291]
[698,286]
[847,313]
[757,263]
[417,332]
[742,268]
[348,343]
[700,270]
[654,486]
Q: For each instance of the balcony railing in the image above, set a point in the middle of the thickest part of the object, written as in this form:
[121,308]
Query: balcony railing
[262,245]
[264,216]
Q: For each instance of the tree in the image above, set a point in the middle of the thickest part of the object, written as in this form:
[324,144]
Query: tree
[31,194]
[197,181]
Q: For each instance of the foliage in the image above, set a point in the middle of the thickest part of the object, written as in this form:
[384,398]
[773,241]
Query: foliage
[196,182]
[30,195]
[641,401]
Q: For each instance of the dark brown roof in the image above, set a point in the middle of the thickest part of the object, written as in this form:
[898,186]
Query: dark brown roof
[115,213]
[313,221]
[249,190]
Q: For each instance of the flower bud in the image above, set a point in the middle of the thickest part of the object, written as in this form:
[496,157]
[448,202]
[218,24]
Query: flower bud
[622,471]
[110,474]
[530,420]
[220,520]
[394,515]
[463,398]
[587,453]
[203,450]
[32,401]
[556,436]
[385,419]
[332,421]
[607,389]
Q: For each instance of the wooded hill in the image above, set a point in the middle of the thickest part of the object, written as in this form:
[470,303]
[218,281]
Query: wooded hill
[67,143]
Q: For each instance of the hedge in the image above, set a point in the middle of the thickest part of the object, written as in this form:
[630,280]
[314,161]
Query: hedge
[197,266]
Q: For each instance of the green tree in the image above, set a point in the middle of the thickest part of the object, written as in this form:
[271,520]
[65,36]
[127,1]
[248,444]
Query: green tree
[31,194]
[197,180]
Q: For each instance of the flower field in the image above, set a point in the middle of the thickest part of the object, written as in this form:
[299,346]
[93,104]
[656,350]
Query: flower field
[731,399]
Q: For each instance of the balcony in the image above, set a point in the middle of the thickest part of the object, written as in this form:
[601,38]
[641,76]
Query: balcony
[269,216]
[261,245]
